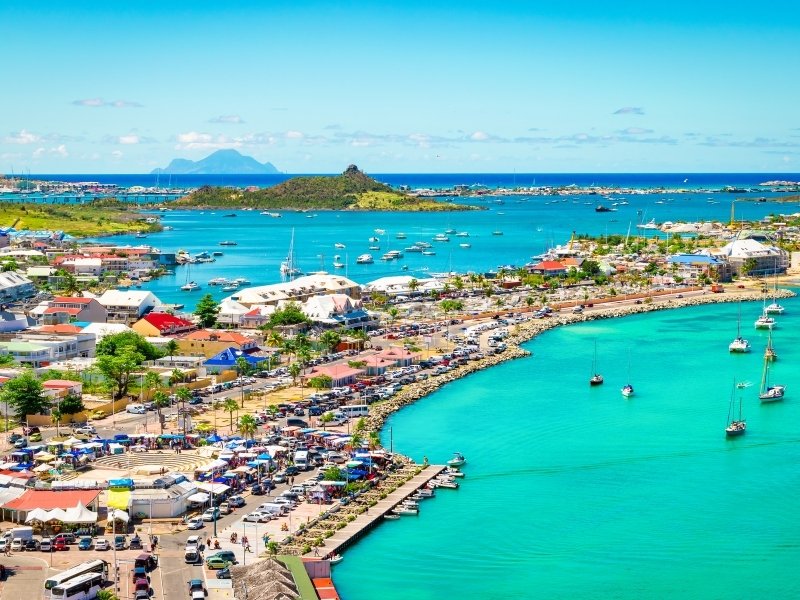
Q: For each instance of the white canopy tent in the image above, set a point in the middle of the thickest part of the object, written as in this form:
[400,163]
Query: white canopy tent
[200,497]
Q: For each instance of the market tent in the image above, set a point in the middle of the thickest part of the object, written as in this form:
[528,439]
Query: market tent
[200,497]
[43,456]
[213,488]
[42,468]
[80,514]
[37,514]
[57,514]
[72,441]
[213,439]
[118,515]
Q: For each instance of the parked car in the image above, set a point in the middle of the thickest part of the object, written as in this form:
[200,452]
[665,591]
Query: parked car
[195,523]
[60,545]
[215,562]
[46,545]
[224,573]
[211,514]
[85,430]
[257,517]
[17,545]
[101,544]
[85,543]
[197,590]
[257,489]
[21,443]
[224,555]
[69,538]
[225,508]
[31,544]
[120,542]
[14,437]
[236,501]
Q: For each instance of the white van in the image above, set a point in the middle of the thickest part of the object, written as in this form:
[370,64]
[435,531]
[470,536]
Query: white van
[338,418]
[354,410]
[301,460]
[136,409]
[273,508]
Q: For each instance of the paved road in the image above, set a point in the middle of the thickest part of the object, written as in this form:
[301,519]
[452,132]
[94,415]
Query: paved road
[25,578]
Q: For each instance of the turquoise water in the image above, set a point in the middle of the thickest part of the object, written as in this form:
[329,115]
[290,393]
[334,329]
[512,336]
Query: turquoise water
[576,492]
[530,225]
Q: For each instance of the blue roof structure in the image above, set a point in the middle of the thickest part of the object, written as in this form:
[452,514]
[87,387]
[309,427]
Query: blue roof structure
[693,259]
[229,356]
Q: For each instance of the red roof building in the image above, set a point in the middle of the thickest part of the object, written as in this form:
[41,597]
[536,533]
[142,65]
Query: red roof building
[156,324]
[548,267]
[50,499]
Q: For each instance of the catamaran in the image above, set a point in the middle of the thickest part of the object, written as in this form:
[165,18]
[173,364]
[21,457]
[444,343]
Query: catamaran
[739,344]
[288,268]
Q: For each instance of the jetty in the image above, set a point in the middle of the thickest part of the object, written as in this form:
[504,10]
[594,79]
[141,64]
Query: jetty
[365,521]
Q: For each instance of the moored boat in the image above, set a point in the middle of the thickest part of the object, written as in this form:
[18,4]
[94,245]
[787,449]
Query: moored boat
[457,460]
[365,259]
[736,426]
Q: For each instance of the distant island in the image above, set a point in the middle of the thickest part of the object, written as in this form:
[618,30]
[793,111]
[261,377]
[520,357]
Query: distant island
[352,190]
[221,162]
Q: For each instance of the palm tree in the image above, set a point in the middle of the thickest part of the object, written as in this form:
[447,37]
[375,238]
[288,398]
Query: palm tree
[294,371]
[356,440]
[55,416]
[330,339]
[325,419]
[183,395]
[230,405]
[248,426]
[413,285]
[152,383]
[242,366]
[177,376]
[374,440]
[171,348]
[161,400]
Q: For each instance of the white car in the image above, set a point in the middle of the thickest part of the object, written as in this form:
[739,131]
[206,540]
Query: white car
[101,544]
[194,540]
[86,430]
[257,517]
[195,523]
[285,501]
[16,545]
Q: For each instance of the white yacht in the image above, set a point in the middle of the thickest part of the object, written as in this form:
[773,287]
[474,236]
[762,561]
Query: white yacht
[339,245]
[400,236]
[739,345]
[462,234]
[365,259]
[465,245]
[765,321]
[440,237]
[773,309]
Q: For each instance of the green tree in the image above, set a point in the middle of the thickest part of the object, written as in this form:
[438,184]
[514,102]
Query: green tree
[326,418]
[749,266]
[291,314]
[330,339]
[177,376]
[392,313]
[107,594]
[333,474]
[248,426]
[25,395]
[231,406]
[71,404]
[111,344]
[242,366]
[356,440]
[171,348]
[207,310]
[320,382]
[413,285]
[56,416]
[294,371]
[6,360]
[183,394]
[161,400]
[118,368]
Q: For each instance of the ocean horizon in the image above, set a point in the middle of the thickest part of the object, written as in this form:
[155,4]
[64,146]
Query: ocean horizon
[441,180]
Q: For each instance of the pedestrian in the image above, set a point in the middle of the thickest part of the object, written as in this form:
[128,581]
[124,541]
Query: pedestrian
[316,551]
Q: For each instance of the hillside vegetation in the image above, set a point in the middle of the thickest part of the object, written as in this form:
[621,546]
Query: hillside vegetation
[91,219]
[352,190]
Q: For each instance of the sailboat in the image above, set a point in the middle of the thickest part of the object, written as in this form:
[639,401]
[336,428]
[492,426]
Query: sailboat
[596,378]
[337,264]
[739,344]
[189,286]
[769,351]
[774,308]
[627,389]
[288,268]
[765,321]
[767,392]
[735,426]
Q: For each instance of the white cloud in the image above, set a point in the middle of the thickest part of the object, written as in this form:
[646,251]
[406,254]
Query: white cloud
[629,110]
[38,153]
[195,140]
[131,138]
[100,103]
[236,119]
[116,154]
[294,135]
[635,131]
[60,150]
[479,136]
[22,137]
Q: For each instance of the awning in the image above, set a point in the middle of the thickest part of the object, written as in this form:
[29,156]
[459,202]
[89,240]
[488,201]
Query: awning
[37,514]
[118,515]
[201,497]
[119,499]
[213,488]
[80,514]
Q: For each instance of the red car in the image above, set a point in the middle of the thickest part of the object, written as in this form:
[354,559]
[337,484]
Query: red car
[59,544]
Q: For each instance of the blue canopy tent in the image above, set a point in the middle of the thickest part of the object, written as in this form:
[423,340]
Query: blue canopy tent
[213,439]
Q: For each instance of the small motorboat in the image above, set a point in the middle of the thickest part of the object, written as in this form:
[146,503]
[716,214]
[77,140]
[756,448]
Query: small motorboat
[446,483]
[627,390]
[336,559]
[391,517]
[453,472]
[426,493]
[400,510]
[457,460]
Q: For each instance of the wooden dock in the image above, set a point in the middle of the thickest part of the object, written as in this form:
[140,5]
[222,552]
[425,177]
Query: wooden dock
[354,530]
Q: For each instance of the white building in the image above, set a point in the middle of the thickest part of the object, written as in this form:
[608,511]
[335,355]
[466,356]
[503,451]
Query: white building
[298,290]
[14,286]
[128,306]
[768,259]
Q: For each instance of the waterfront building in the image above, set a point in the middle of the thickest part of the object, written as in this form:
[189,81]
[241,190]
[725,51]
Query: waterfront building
[691,266]
[128,306]
[40,349]
[297,290]
[768,259]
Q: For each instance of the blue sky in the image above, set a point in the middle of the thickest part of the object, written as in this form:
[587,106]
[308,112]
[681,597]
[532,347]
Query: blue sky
[409,86]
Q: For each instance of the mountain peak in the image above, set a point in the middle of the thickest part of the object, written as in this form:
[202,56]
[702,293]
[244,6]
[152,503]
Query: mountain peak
[226,161]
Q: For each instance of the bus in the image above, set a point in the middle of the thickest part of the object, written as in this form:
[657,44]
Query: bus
[354,410]
[82,587]
[92,566]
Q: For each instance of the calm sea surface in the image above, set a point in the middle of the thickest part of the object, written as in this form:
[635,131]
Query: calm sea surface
[529,226]
[576,492]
